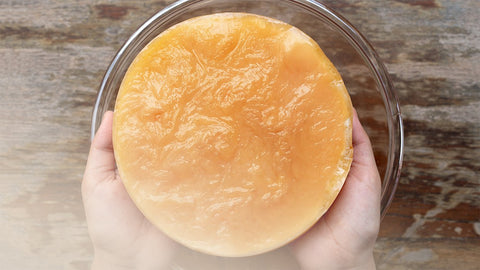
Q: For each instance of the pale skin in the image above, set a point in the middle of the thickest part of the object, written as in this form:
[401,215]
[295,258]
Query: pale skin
[124,239]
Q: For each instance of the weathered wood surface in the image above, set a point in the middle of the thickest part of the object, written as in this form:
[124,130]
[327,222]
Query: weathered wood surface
[53,55]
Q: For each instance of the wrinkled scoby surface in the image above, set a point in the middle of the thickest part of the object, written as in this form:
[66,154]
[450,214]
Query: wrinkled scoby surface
[232,133]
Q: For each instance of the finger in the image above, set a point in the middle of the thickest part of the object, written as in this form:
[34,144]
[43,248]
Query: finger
[101,158]
[364,181]
[359,200]
[362,148]
[363,177]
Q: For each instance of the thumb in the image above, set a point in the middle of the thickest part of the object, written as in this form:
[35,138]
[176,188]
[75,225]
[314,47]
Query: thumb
[359,200]
[363,157]
[101,161]
[361,193]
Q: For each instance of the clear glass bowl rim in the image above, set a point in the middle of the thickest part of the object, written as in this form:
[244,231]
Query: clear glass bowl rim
[348,31]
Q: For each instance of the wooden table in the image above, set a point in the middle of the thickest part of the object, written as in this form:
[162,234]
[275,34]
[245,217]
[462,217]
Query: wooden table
[53,55]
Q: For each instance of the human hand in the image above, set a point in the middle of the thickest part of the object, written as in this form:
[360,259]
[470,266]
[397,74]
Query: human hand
[345,236]
[122,237]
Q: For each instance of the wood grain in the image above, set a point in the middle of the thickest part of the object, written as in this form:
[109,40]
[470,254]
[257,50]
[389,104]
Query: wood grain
[53,55]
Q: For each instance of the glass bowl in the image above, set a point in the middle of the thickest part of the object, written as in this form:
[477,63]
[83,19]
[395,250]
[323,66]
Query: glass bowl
[364,74]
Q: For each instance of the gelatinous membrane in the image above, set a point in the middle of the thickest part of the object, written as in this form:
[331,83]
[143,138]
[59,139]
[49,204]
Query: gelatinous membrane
[232,133]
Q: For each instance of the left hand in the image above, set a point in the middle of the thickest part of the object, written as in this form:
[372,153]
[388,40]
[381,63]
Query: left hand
[122,237]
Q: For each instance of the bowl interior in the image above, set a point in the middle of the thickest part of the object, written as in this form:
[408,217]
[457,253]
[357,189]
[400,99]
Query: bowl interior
[363,73]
